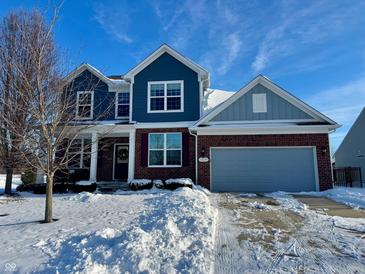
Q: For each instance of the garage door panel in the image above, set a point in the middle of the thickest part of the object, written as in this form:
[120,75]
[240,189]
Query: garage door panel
[262,169]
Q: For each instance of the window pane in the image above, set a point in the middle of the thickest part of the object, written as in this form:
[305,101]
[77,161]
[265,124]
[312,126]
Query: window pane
[74,160]
[157,103]
[86,160]
[157,89]
[174,89]
[87,146]
[173,157]
[85,98]
[123,110]
[173,141]
[173,103]
[84,111]
[156,141]
[123,98]
[75,146]
[156,157]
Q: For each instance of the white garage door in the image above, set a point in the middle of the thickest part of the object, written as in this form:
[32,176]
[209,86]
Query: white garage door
[263,169]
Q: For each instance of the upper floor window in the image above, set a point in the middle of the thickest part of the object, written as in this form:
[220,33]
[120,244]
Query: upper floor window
[85,105]
[259,103]
[122,104]
[167,96]
[164,150]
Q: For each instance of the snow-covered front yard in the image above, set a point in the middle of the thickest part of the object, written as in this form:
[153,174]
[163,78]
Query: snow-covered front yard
[152,231]
[181,231]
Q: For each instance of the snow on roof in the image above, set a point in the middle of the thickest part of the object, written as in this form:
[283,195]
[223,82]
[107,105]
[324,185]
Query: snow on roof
[213,98]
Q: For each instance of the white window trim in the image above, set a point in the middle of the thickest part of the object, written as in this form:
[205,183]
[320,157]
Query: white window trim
[91,105]
[117,104]
[149,83]
[82,152]
[165,149]
[257,99]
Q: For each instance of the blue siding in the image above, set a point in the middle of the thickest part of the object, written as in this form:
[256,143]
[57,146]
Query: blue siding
[277,108]
[166,68]
[104,108]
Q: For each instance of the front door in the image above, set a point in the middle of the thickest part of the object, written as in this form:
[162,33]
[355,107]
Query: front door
[121,155]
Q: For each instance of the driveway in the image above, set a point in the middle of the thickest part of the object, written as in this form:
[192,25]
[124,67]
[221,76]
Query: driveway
[281,234]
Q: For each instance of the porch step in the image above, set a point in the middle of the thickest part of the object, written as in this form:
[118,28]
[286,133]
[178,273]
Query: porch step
[111,186]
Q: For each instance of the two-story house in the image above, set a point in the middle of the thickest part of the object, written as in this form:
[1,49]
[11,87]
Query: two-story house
[161,126]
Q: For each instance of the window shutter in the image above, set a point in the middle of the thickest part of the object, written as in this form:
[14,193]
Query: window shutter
[144,150]
[185,149]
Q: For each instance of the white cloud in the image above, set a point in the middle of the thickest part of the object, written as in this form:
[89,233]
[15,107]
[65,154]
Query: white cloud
[298,29]
[114,21]
[232,48]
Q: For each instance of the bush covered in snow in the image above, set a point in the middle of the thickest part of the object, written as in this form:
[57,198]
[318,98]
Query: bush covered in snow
[173,184]
[140,184]
[158,183]
[82,186]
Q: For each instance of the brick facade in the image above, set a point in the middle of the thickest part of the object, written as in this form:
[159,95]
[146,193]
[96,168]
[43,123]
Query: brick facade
[163,173]
[105,157]
[318,140]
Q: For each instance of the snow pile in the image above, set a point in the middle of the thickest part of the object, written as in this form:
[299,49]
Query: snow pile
[214,97]
[248,195]
[180,181]
[84,197]
[258,205]
[174,234]
[85,183]
[353,197]
[287,201]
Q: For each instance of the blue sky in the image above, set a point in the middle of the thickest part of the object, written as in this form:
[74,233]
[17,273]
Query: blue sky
[314,49]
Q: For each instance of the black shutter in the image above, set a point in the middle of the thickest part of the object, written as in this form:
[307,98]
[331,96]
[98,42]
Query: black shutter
[144,150]
[185,149]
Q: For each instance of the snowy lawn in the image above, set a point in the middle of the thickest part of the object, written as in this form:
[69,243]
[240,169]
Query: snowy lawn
[146,231]
[182,231]
[278,234]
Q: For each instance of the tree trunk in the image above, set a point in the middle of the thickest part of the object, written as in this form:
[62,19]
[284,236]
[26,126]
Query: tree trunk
[49,192]
[8,181]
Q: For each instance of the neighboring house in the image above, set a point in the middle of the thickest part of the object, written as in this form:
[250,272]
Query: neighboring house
[167,123]
[351,152]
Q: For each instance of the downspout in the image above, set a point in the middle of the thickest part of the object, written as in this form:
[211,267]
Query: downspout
[196,154]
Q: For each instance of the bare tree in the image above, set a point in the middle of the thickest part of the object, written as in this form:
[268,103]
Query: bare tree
[48,103]
[13,58]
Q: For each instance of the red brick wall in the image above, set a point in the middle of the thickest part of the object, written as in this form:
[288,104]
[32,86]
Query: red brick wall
[105,157]
[317,140]
[142,172]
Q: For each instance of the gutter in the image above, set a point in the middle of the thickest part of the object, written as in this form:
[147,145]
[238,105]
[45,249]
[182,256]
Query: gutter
[196,154]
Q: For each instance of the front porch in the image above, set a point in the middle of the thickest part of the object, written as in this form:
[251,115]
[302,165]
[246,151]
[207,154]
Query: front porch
[111,155]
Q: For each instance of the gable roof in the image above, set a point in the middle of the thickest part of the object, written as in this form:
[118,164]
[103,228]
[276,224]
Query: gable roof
[260,79]
[203,73]
[112,83]
[359,121]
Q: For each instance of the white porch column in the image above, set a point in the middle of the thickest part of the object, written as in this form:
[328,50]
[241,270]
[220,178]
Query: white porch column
[132,149]
[94,156]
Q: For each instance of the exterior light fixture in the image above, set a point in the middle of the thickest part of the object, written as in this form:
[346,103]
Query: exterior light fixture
[323,150]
